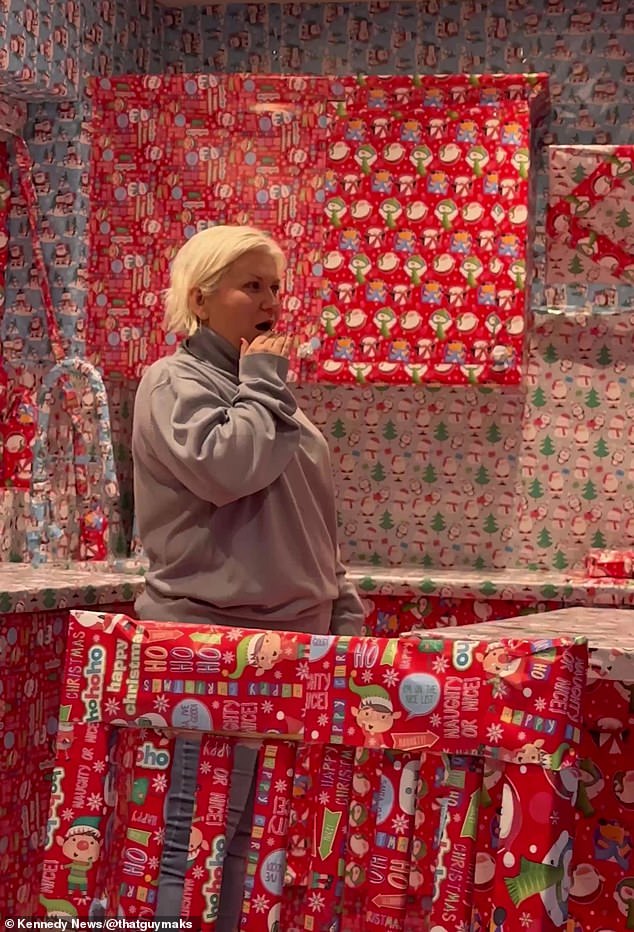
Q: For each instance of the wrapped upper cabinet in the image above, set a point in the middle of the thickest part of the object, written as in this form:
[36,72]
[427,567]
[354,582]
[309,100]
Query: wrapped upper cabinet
[173,155]
[402,204]
[428,198]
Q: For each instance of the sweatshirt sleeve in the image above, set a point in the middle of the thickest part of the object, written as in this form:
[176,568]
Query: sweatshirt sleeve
[347,612]
[221,452]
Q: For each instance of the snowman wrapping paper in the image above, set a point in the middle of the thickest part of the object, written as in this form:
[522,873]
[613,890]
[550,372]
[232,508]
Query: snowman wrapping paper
[403,205]
[349,725]
[429,208]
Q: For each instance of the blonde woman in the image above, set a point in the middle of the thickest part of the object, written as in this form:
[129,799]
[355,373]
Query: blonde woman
[234,499]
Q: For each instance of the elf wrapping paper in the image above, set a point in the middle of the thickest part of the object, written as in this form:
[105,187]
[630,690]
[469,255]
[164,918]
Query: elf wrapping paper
[81,809]
[429,206]
[31,664]
[322,689]
[590,219]
[267,853]
[602,865]
[201,892]
[363,693]
[326,830]
[365,791]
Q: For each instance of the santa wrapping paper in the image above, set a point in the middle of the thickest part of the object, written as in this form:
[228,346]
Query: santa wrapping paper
[380,747]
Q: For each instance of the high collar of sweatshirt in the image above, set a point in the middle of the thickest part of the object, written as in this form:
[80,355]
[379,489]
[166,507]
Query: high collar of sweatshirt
[209,346]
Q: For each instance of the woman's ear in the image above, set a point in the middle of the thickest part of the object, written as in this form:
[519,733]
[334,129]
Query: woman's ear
[197,303]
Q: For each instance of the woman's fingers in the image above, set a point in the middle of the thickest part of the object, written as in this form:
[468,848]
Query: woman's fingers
[279,344]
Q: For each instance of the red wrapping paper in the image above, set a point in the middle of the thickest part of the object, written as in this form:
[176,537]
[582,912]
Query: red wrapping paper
[388,877]
[425,841]
[263,167]
[363,693]
[616,564]
[590,236]
[602,863]
[488,840]
[389,615]
[80,818]
[141,821]
[302,815]
[256,683]
[366,783]
[452,897]
[318,910]
[439,173]
[201,894]
[428,212]
[267,855]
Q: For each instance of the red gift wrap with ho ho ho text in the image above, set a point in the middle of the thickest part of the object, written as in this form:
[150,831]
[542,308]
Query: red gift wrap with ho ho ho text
[443,790]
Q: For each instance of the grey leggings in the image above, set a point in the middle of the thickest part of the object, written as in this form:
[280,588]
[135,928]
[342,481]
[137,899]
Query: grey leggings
[180,807]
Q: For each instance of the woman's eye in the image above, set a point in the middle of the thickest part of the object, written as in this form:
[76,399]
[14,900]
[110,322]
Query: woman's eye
[254,285]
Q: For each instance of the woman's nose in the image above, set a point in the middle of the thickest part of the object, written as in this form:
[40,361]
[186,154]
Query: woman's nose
[270,298]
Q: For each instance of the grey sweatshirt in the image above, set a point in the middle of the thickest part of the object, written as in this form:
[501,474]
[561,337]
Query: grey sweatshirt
[234,497]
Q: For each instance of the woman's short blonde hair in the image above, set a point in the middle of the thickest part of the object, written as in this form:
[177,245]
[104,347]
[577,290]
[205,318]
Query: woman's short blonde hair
[201,263]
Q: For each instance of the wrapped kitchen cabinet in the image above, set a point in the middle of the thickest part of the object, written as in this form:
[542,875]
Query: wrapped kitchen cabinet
[427,250]
[403,206]
[173,155]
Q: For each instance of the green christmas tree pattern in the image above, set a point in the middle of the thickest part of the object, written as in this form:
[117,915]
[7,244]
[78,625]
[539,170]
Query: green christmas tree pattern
[441,433]
[482,476]
[589,491]
[438,522]
[389,431]
[386,521]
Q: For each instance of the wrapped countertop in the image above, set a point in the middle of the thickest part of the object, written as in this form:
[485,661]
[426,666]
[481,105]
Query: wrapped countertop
[26,589]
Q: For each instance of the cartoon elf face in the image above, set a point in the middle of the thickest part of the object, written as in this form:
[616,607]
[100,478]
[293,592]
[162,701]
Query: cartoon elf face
[358,814]
[498,661]
[355,876]
[374,716]
[81,847]
[268,651]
